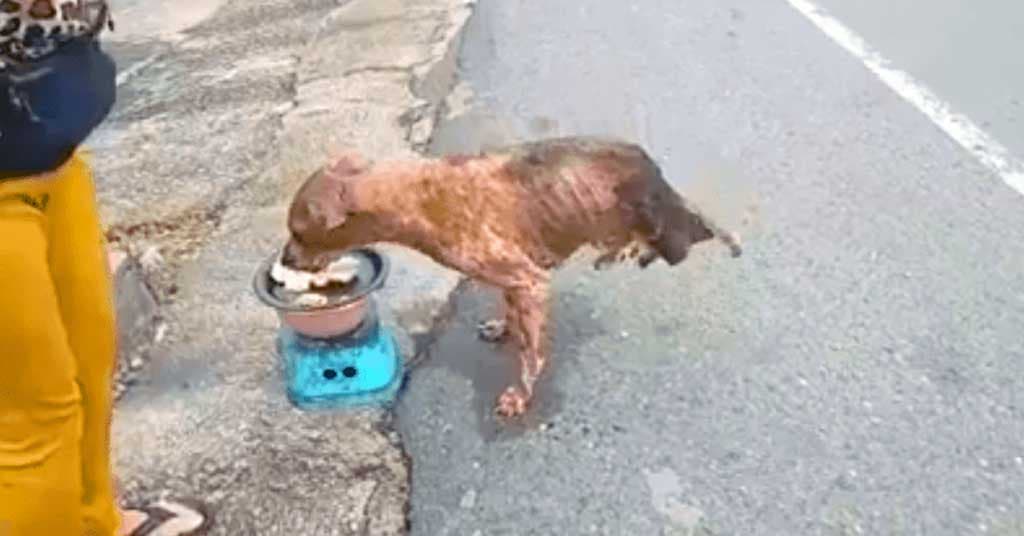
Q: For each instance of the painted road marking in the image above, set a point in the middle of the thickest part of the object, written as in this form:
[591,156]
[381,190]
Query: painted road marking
[992,154]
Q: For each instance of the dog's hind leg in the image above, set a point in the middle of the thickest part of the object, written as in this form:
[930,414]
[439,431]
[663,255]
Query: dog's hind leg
[647,256]
[670,223]
[528,324]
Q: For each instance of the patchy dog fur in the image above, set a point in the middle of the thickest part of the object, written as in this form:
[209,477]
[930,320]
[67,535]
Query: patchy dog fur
[507,218]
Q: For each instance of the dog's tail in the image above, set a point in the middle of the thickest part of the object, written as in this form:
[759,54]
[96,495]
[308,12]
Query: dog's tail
[670,222]
[680,225]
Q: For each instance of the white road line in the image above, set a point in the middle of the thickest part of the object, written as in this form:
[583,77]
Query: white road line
[960,128]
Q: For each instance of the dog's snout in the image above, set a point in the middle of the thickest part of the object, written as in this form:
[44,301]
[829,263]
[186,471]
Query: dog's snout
[288,257]
[296,257]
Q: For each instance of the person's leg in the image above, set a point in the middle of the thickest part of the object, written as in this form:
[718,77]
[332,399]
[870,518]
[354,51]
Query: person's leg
[78,264]
[84,287]
[40,402]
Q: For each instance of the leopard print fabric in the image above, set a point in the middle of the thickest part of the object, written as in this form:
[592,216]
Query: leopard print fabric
[30,29]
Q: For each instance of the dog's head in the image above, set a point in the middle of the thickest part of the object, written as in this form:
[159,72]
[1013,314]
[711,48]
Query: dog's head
[325,216]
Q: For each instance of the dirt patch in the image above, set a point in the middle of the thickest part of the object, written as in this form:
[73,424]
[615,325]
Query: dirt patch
[163,247]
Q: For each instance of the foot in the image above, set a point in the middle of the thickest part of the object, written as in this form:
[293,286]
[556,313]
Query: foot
[166,518]
[492,330]
[512,403]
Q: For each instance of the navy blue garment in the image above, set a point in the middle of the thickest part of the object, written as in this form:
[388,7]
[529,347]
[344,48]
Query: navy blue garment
[50,106]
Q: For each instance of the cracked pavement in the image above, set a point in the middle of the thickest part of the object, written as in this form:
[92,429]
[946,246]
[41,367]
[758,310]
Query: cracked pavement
[220,116]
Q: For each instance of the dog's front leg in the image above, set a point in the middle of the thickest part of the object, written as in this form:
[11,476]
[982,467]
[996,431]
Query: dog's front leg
[527,322]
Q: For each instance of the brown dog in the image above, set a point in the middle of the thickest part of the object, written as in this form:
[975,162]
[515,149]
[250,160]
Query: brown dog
[505,218]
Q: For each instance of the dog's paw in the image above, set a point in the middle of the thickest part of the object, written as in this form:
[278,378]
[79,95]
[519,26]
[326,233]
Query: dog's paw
[492,330]
[605,261]
[647,258]
[512,403]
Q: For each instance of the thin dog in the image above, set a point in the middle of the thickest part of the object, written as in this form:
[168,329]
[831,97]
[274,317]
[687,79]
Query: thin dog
[507,218]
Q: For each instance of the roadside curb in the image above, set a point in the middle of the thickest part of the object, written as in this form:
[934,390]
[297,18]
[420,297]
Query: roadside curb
[138,317]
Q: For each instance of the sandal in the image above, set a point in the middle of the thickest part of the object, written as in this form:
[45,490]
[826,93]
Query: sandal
[179,517]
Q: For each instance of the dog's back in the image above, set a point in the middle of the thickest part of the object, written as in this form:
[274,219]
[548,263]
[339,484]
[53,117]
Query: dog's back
[603,192]
[532,204]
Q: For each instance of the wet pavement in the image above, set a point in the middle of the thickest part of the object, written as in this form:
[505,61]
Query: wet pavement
[855,372]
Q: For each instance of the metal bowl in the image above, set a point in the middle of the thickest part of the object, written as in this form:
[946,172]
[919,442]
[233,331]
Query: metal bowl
[346,307]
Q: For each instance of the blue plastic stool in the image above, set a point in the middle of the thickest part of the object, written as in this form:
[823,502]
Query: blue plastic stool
[363,368]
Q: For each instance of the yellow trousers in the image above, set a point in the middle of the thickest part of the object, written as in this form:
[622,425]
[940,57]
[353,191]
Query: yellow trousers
[57,353]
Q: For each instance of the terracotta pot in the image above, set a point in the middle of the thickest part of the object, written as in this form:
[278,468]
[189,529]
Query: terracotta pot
[328,323]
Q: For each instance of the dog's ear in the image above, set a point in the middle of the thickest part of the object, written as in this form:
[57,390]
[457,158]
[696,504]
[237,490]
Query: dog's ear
[327,197]
[322,203]
[335,199]
[335,203]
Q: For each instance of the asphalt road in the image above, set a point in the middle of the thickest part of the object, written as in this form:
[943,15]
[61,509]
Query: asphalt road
[962,50]
[856,372]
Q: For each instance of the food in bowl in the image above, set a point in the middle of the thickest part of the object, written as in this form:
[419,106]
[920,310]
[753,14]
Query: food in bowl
[343,271]
[325,304]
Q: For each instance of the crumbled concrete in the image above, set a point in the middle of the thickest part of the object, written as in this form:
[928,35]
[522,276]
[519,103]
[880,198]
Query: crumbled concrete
[138,318]
[225,124]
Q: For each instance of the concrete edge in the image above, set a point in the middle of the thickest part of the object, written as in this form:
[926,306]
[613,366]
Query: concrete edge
[138,317]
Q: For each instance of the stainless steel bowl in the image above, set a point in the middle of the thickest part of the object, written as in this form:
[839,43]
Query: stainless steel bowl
[346,307]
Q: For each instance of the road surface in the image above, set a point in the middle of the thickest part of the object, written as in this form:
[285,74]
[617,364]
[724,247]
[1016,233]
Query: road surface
[962,50]
[856,372]
[143,31]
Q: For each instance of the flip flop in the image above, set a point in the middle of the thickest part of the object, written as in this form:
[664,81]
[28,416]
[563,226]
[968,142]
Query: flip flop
[177,517]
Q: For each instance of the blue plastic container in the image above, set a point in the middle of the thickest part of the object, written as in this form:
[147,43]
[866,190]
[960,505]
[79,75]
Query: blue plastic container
[360,368]
[363,368]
